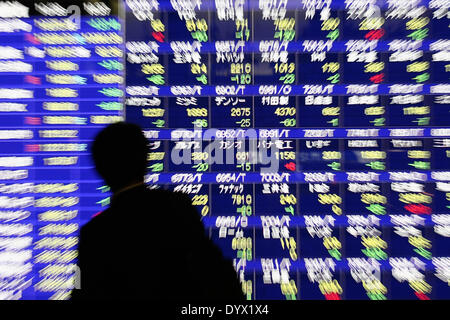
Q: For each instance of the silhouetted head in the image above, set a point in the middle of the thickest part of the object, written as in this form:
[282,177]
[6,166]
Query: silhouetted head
[120,154]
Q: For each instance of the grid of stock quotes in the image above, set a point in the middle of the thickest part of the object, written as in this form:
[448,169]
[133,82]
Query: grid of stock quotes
[313,136]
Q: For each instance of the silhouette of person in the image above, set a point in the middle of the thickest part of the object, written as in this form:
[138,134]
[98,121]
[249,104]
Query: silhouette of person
[149,243]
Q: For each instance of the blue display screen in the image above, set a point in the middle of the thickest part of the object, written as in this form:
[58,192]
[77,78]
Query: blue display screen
[313,137]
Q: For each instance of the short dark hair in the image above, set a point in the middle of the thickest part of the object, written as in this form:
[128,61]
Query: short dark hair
[120,154]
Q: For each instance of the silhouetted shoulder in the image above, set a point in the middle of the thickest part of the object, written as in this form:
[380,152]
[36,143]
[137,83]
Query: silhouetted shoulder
[171,195]
[175,200]
[91,232]
[95,222]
